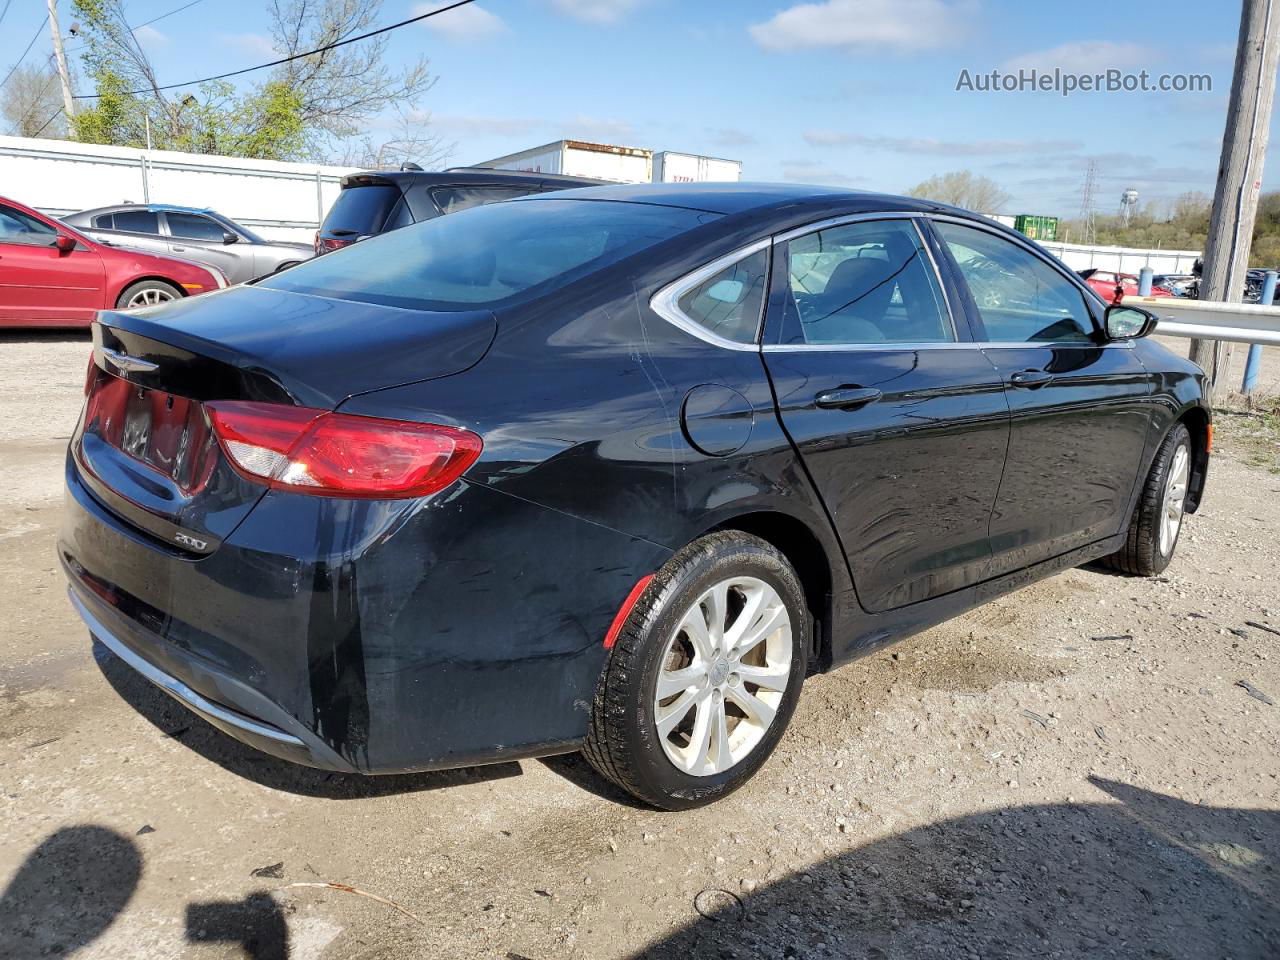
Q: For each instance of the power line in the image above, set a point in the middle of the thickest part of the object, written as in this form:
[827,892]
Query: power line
[26,51]
[148,23]
[5,10]
[296,56]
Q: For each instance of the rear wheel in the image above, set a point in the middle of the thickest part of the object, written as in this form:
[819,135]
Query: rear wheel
[147,293]
[704,675]
[1157,519]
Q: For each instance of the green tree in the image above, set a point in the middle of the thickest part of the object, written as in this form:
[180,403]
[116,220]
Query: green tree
[312,108]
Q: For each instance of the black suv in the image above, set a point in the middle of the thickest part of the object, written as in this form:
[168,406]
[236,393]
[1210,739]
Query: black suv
[377,201]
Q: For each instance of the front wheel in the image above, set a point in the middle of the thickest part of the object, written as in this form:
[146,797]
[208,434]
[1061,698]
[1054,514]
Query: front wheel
[147,293]
[1157,519]
[704,676]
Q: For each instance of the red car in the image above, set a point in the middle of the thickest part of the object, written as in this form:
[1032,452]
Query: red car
[1104,283]
[53,276]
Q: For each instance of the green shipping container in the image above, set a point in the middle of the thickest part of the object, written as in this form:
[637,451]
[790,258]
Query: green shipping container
[1037,228]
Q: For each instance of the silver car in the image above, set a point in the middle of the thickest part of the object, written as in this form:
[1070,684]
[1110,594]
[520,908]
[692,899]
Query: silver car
[204,236]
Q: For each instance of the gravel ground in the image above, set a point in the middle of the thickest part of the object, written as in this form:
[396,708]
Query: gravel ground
[1072,771]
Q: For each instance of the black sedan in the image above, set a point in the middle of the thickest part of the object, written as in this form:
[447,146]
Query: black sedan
[609,470]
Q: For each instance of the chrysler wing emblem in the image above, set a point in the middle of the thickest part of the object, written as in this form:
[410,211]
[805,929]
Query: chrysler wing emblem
[122,361]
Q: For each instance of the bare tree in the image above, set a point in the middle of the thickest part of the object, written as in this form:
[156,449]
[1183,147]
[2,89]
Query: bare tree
[962,189]
[31,103]
[411,140]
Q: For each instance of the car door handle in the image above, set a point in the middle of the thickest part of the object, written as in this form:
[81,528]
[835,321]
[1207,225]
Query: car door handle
[847,398]
[1030,378]
[178,249]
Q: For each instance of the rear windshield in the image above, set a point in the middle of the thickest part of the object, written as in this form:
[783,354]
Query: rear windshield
[488,255]
[361,210]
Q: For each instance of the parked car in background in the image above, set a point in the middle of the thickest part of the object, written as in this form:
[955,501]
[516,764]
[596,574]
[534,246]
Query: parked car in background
[52,275]
[1177,284]
[613,469]
[205,236]
[1104,283]
[377,201]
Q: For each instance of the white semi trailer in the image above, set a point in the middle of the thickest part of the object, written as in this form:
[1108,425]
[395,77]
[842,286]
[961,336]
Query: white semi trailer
[578,158]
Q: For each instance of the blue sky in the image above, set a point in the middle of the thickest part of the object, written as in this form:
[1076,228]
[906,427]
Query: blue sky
[857,92]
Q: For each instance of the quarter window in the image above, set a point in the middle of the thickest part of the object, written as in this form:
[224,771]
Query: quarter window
[18,227]
[729,303]
[1021,298]
[862,283]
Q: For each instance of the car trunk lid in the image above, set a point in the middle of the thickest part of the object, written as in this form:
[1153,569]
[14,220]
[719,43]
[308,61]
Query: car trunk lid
[145,446]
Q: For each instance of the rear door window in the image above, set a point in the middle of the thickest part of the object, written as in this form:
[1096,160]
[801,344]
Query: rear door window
[191,226]
[454,199]
[137,221]
[361,210]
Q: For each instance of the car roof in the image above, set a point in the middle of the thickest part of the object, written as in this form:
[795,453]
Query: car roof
[465,175]
[150,207]
[744,197]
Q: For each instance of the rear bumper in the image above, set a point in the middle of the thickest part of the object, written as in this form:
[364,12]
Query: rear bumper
[370,637]
[242,713]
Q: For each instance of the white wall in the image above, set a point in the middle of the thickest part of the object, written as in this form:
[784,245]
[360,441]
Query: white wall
[281,201]
[1077,256]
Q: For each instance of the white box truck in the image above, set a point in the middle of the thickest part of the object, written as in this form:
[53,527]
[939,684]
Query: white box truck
[672,167]
[577,158]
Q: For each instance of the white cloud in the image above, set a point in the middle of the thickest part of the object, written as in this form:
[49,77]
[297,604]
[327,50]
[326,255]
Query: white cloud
[866,25]
[807,171]
[595,11]
[605,129]
[733,137]
[256,44]
[472,22]
[485,125]
[925,145]
[1094,56]
[151,38]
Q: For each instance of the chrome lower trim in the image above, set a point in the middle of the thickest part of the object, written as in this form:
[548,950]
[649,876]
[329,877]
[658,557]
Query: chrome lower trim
[172,685]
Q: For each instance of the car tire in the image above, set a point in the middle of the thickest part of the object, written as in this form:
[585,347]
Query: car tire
[646,744]
[1157,518]
[147,293]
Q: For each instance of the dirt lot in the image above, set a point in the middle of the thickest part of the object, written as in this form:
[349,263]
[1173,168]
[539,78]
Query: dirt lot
[1073,771]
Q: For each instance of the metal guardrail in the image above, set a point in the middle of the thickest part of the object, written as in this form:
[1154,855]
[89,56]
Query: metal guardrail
[1236,322]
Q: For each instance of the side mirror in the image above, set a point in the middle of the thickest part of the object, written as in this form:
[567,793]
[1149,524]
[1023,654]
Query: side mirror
[1128,323]
[64,243]
[229,237]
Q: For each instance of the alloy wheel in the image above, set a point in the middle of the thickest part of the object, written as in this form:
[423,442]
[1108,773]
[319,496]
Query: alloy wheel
[723,676]
[1175,496]
[150,297]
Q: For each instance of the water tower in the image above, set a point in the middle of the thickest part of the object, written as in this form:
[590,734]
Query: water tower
[1128,200]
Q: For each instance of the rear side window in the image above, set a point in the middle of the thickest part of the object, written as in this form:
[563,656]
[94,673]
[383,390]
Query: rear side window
[193,227]
[456,199]
[1020,297]
[488,255]
[864,283]
[361,210]
[137,221]
[729,303]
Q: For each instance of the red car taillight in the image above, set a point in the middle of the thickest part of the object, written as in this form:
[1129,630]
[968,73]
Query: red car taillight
[328,244]
[340,455]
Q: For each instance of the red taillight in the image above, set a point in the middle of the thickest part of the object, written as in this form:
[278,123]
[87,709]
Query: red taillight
[327,244]
[90,375]
[340,455]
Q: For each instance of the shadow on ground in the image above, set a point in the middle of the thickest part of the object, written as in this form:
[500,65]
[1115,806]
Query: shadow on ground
[188,729]
[1148,876]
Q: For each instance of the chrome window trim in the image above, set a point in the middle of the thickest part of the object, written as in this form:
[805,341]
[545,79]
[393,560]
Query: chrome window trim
[956,345]
[666,302]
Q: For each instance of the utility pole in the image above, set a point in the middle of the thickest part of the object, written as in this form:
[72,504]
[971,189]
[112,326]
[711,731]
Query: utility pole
[60,55]
[1244,149]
